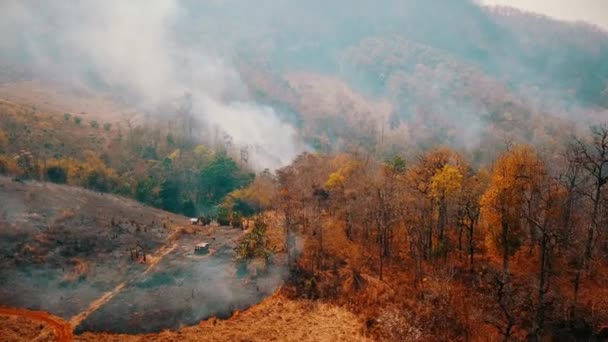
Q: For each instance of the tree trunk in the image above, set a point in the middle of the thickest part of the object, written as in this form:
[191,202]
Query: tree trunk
[471,243]
[594,223]
[430,236]
[505,249]
[544,273]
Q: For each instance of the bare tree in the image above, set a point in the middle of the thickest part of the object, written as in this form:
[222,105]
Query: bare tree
[592,156]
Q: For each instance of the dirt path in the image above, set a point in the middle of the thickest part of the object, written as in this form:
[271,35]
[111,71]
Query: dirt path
[62,329]
[153,260]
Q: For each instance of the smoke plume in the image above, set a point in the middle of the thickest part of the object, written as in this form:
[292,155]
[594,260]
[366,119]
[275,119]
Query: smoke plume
[135,49]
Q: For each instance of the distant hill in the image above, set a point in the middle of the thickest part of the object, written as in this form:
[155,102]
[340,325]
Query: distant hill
[441,72]
[382,76]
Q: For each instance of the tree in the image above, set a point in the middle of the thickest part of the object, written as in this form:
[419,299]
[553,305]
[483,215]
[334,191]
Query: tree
[592,155]
[419,178]
[170,194]
[188,208]
[253,199]
[144,190]
[542,213]
[219,178]
[254,244]
[468,211]
[517,175]
[444,184]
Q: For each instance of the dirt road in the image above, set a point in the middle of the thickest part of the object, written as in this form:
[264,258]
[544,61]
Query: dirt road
[153,260]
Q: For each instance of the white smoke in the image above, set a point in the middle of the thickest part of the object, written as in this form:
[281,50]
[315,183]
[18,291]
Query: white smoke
[134,47]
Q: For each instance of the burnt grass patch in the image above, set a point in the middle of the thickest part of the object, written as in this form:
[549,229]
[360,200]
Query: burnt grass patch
[65,247]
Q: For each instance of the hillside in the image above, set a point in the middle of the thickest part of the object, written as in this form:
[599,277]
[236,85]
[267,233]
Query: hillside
[403,74]
[399,170]
[276,318]
[88,256]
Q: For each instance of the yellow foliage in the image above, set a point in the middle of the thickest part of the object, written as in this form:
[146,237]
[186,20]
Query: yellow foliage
[337,179]
[79,171]
[446,181]
[174,155]
[70,165]
[200,150]
[259,193]
[429,164]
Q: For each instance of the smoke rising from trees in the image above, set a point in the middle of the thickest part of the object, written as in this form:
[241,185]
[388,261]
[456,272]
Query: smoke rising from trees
[134,50]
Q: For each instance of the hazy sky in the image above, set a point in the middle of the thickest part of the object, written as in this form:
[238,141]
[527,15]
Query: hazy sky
[594,11]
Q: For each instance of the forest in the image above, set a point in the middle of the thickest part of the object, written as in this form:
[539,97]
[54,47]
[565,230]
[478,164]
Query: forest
[435,246]
[427,245]
[439,169]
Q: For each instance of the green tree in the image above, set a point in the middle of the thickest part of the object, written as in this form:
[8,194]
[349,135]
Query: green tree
[170,193]
[188,208]
[219,178]
[144,190]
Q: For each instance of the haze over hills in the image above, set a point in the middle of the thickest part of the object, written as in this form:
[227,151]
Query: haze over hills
[401,170]
[449,70]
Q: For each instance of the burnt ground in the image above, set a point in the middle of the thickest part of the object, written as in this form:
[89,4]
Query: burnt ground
[62,248]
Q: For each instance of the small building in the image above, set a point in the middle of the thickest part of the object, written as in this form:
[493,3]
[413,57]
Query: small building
[201,248]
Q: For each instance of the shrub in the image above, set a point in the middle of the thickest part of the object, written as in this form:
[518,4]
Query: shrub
[93,174]
[8,165]
[57,174]
[67,116]
[223,217]
[99,180]
[107,126]
[77,120]
[94,124]
[254,244]
[3,138]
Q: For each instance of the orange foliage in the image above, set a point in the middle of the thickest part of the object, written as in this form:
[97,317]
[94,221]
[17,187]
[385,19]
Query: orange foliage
[8,165]
[516,174]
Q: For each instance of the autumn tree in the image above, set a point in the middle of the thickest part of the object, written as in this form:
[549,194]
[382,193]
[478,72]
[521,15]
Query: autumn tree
[517,175]
[445,183]
[419,179]
[468,212]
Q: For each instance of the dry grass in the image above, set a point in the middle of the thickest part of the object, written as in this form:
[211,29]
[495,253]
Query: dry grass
[17,328]
[27,325]
[275,319]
